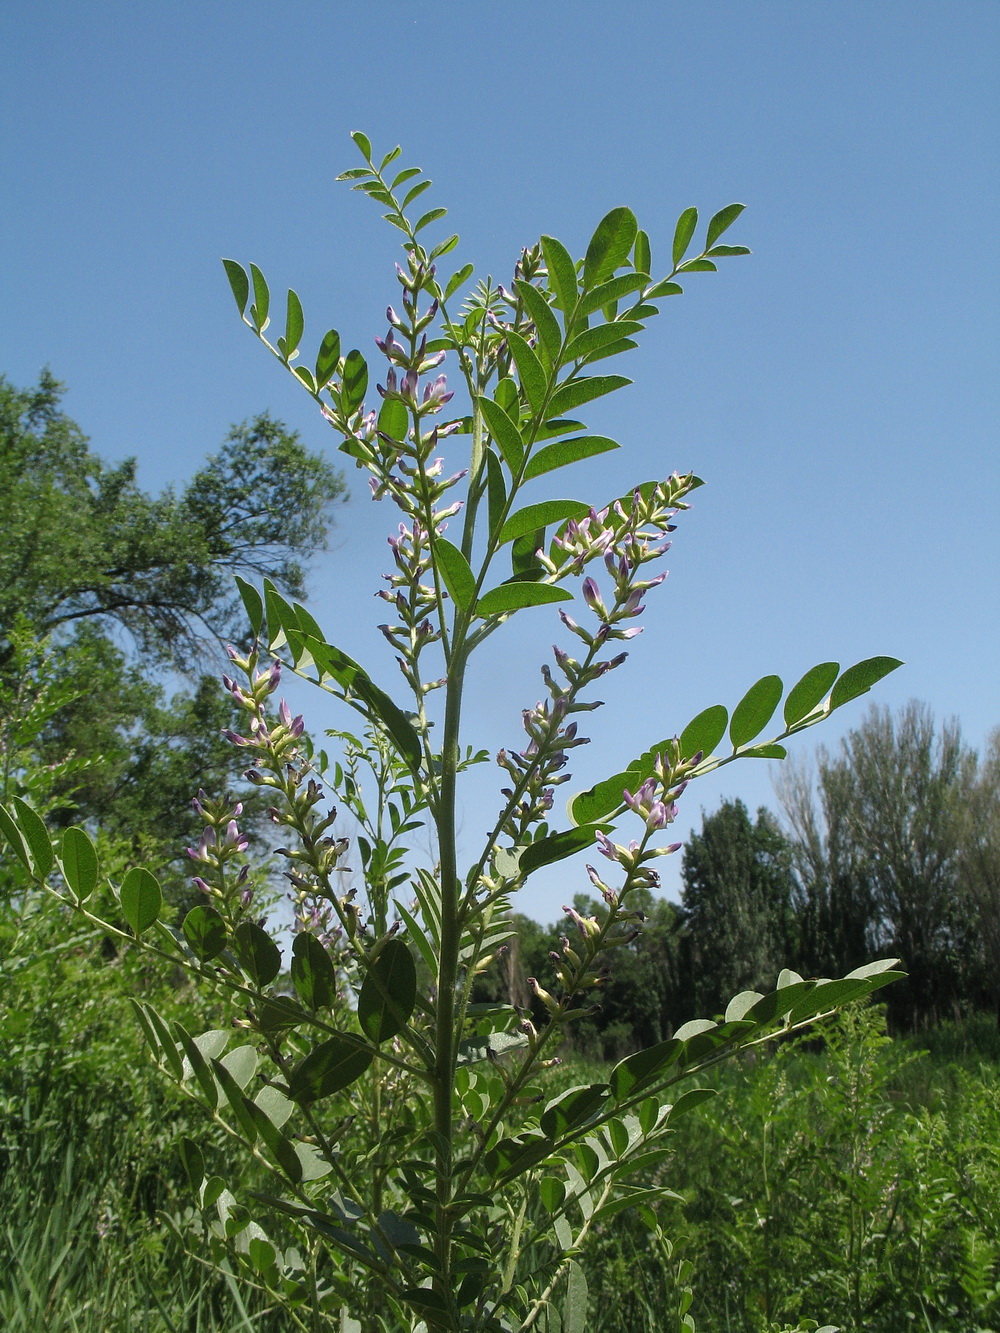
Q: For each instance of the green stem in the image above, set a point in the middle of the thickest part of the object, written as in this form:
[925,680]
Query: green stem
[451,932]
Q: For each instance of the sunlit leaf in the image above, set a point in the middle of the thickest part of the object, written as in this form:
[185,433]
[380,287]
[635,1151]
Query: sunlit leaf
[610,246]
[32,826]
[239,282]
[313,974]
[545,322]
[253,604]
[140,898]
[355,381]
[529,370]
[79,862]
[205,931]
[683,232]
[504,431]
[262,299]
[364,143]
[859,679]
[514,596]
[562,272]
[584,390]
[567,451]
[558,846]
[458,576]
[294,325]
[809,691]
[541,515]
[721,222]
[327,358]
[755,710]
[704,732]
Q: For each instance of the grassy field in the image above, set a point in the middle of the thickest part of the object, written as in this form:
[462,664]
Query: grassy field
[854,1181]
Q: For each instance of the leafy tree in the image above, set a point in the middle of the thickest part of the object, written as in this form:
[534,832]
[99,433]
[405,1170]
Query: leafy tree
[979,860]
[737,897]
[82,541]
[885,845]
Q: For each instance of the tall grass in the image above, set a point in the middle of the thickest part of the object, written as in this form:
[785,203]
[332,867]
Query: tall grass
[818,1186]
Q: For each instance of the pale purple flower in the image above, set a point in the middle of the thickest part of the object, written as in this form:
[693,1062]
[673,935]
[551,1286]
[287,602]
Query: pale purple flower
[201,852]
[436,394]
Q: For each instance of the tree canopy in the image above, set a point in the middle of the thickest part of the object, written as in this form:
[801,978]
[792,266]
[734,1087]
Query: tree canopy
[83,541]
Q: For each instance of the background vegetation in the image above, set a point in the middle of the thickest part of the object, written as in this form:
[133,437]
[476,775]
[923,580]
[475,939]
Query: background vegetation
[854,1180]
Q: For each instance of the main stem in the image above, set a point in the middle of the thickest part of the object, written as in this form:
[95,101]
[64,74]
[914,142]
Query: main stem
[451,931]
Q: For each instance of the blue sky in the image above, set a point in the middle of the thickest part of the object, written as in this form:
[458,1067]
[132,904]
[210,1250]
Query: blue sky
[837,391]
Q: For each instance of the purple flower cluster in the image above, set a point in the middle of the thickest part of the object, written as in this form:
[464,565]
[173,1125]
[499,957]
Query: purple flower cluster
[221,843]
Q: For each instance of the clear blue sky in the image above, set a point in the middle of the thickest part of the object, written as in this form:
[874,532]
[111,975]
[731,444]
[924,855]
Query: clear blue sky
[837,391]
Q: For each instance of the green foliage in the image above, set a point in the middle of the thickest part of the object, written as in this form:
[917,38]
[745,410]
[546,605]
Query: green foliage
[894,850]
[814,1189]
[84,543]
[739,920]
[416,1174]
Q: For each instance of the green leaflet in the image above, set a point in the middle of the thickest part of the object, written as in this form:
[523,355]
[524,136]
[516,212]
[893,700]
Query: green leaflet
[859,679]
[562,273]
[504,432]
[15,837]
[259,956]
[683,232]
[542,317]
[79,862]
[529,370]
[755,710]
[140,898]
[253,604]
[577,1296]
[558,846]
[389,992]
[330,661]
[327,358]
[704,732]
[510,597]
[355,382]
[604,335]
[262,300]
[573,1107]
[294,326]
[205,932]
[584,390]
[567,451]
[458,576]
[721,222]
[238,282]
[610,246]
[533,517]
[313,974]
[328,1068]
[809,691]
[32,828]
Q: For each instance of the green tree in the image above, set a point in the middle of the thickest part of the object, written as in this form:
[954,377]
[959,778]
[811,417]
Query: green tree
[83,542]
[979,860]
[885,843]
[86,555]
[737,904]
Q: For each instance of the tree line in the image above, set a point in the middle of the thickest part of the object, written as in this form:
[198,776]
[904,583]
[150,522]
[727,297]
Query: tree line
[888,846]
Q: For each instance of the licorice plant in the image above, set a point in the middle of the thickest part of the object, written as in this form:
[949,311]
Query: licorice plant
[420,1176]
